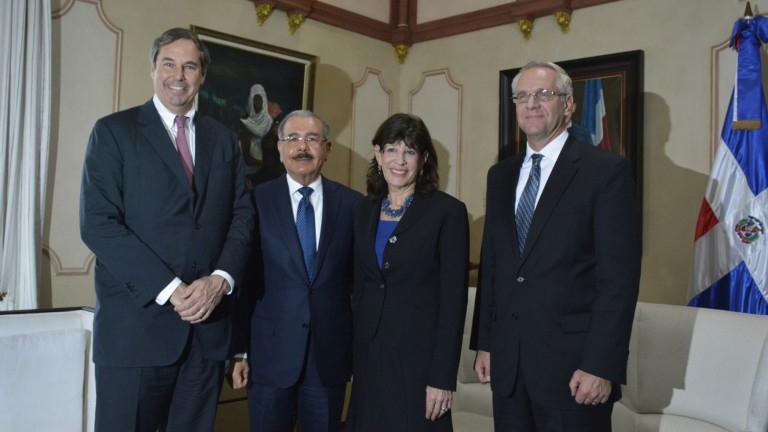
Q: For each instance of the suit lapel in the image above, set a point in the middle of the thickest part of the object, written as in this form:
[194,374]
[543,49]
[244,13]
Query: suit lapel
[282,211]
[328,225]
[507,206]
[205,142]
[562,173]
[374,210]
[156,134]
[413,214]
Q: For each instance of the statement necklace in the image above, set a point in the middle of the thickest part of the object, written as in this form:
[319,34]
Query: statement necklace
[395,213]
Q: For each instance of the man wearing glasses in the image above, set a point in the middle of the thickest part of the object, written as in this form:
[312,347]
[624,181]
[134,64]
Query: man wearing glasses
[559,272]
[294,316]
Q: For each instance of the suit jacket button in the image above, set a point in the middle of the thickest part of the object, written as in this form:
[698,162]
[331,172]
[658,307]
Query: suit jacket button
[515,316]
[305,326]
[520,279]
[381,286]
[312,291]
[197,226]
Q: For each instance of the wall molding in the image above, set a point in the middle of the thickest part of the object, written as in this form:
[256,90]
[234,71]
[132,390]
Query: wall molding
[60,270]
[404,29]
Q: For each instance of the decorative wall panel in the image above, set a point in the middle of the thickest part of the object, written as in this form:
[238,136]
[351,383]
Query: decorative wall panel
[437,100]
[371,105]
[86,69]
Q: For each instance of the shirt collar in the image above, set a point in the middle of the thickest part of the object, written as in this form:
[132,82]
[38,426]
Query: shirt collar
[169,118]
[317,185]
[550,151]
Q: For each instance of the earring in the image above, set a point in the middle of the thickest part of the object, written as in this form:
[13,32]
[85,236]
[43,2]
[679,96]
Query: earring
[379,169]
[421,174]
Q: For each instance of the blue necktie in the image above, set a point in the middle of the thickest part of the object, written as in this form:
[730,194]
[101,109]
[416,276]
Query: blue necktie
[528,201]
[305,225]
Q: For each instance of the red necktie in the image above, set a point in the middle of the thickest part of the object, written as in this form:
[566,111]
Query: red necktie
[183,147]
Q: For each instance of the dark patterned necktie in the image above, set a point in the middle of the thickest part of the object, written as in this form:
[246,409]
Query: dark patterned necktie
[305,225]
[528,201]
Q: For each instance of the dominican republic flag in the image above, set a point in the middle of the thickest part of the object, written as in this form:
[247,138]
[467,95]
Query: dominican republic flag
[730,268]
[593,117]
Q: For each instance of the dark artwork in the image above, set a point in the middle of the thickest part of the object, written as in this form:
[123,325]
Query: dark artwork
[250,87]
[621,77]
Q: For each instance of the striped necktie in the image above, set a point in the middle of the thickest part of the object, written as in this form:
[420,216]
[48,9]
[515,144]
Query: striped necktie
[528,201]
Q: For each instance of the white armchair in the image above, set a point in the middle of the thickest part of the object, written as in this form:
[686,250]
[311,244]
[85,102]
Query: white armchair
[46,374]
[695,369]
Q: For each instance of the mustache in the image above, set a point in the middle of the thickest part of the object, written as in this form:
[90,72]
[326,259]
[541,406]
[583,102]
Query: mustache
[303,155]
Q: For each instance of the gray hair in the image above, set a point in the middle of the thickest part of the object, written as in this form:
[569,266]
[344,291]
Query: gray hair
[303,113]
[564,83]
[174,34]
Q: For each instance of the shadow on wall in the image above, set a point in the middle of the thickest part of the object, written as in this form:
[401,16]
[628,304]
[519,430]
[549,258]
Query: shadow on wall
[475,225]
[671,206]
[443,165]
[333,91]
[475,242]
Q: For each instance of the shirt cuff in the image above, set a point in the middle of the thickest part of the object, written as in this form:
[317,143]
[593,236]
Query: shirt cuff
[166,293]
[229,279]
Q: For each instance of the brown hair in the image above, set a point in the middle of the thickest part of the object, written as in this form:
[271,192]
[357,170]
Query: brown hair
[414,133]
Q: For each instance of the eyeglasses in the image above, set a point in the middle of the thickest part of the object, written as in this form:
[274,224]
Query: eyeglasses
[311,140]
[539,96]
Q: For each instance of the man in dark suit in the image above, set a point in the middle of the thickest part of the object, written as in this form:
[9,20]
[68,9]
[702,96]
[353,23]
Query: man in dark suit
[295,310]
[560,270]
[164,208]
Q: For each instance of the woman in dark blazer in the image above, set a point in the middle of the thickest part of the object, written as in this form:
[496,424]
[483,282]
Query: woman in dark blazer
[410,295]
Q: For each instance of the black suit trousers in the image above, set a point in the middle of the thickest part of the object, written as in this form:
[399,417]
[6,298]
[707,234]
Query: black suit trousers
[182,397]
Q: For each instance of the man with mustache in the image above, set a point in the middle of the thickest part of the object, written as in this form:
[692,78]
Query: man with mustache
[164,208]
[294,315]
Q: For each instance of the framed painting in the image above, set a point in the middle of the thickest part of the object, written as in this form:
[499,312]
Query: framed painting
[613,80]
[250,87]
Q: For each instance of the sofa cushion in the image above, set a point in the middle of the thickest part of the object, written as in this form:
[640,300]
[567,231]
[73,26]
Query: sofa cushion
[625,420]
[700,364]
[468,421]
[46,372]
[472,409]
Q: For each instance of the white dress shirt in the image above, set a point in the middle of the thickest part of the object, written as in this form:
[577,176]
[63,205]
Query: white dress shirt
[316,199]
[169,121]
[550,152]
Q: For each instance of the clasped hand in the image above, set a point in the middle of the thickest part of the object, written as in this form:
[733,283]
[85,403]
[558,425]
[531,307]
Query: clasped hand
[196,302]
[438,403]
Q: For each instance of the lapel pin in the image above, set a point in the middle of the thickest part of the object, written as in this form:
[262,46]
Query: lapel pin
[393,239]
